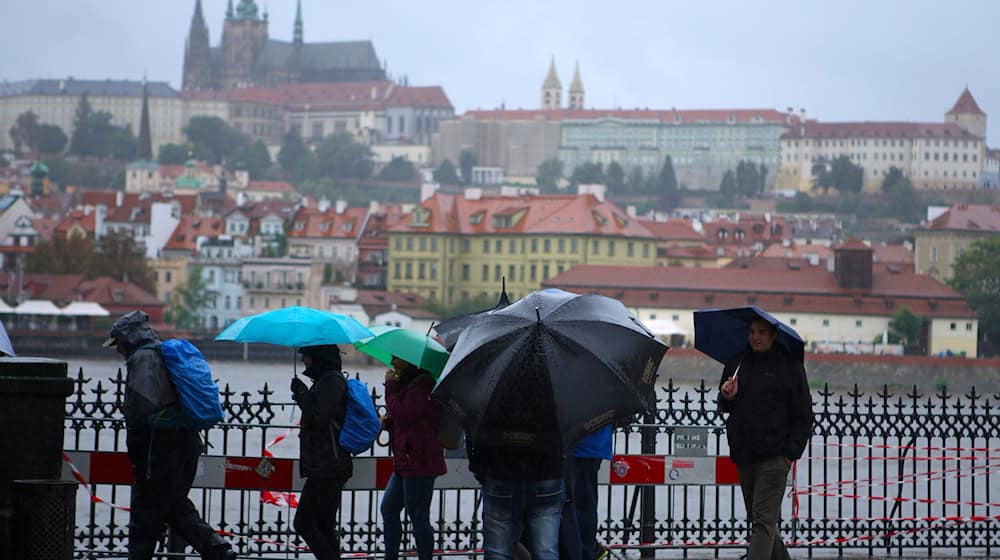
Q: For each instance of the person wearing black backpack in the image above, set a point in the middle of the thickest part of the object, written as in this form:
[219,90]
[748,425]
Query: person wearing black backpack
[324,464]
[165,460]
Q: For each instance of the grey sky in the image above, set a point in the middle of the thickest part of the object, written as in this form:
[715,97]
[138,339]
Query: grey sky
[844,60]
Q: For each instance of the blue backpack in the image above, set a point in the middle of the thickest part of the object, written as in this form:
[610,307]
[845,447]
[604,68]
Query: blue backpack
[197,393]
[361,421]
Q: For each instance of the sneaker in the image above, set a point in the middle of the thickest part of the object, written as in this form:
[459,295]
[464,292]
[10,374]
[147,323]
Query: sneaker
[603,553]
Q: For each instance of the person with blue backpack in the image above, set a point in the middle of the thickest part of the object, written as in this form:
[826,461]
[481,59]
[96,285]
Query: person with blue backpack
[164,457]
[323,461]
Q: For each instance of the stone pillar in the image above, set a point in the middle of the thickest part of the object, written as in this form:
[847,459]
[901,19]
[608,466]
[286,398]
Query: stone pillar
[33,395]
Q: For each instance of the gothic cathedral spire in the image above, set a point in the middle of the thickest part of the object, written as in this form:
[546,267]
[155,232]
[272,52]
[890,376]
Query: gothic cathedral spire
[144,147]
[297,34]
[197,53]
[576,90]
[552,89]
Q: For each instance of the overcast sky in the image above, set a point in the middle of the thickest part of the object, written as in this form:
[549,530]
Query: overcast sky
[843,60]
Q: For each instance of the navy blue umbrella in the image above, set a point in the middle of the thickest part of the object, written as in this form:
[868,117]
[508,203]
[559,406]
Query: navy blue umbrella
[722,334]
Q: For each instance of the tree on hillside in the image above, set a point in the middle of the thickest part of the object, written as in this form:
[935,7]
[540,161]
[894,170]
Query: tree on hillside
[91,130]
[340,157]
[292,151]
[904,201]
[122,143]
[399,169]
[588,173]
[467,159]
[60,255]
[255,158]
[189,298]
[24,132]
[51,139]
[747,178]
[843,175]
[445,173]
[118,256]
[904,327]
[549,173]
[976,275]
[615,178]
[762,173]
[635,183]
[667,182]
[728,184]
[214,140]
[322,187]
[172,154]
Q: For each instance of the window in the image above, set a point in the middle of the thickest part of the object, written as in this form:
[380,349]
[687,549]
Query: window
[486,272]
[826,322]
[534,273]
[421,269]
[422,242]
[168,276]
[547,245]
[572,246]
[409,271]
[510,272]
[953,327]
[499,246]
[857,323]
[497,272]
[676,317]
[512,247]
[793,321]
[968,326]
[545,272]
[934,254]
[409,243]
[596,248]
[611,248]
[434,270]
[465,272]
[631,249]
[486,245]
[562,246]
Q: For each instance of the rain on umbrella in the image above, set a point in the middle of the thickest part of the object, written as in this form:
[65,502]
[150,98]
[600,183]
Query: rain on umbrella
[418,349]
[580,361]
[722,334]
[296,327]
[449,329]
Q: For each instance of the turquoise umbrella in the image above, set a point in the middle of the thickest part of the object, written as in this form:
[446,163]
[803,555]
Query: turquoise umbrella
[419,349]
[296,327]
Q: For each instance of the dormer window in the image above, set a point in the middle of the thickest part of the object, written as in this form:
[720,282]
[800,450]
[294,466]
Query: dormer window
[299,226]
[599,217]
[477,218]
[622,220]
[502,221]
[117,295]
[325,226]
[419,217]
[348,226]
[722,233]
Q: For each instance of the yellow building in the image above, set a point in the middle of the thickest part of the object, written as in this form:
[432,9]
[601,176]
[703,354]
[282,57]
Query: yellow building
[939,244]
[456,248]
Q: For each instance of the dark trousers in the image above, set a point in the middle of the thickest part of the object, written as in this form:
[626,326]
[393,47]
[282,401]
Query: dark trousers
[569,527]
[414,494]
[316,517]
[159,497]
[585,503]
[763,486]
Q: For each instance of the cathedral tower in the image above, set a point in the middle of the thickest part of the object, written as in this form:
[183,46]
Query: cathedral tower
[243,35]
[552,89]
[967,114]
[576,90]
[197,54]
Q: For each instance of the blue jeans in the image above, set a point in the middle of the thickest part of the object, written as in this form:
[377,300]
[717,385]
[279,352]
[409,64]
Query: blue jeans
[535,504]
[414,494]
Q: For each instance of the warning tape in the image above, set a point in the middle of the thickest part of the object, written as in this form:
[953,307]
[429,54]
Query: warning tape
[94,498]
[905,478]
[906,447]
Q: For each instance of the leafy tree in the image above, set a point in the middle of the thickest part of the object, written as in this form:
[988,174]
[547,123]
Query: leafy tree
[635,183]
[976,275]
[615,177]
[51,139]
[399,169]
[668,179]
[904,328]
[214,139]
[118,256]
[549,173]
[3,161]
[292,151]
[59,171]
[122,143]
[904,202]
[587,174]
[445,173]
[728,184]
[256,158]
[340,157]
[747,179]
[24,132]
[843,175]
[61,255]
[763,178]
[318,188]
[172,154]
[467,159]
[189,298]
[91,131]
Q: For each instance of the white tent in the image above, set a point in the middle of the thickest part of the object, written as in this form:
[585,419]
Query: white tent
[85,309]
[663,327]
[4,308]
[37,307]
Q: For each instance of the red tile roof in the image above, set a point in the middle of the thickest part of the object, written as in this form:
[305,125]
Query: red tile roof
[310,223]
[966,104]
[673,230]
[968,217]
[102,290]
[658,115]
[45,227]
[853,244]
[83,218]
[270,186]
[409,96]
[796,251]
[185,236]
[835,130]
[543,214]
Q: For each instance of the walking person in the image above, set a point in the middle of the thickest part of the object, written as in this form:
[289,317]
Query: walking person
[412,420]
[164,460]
[585,462]
[324,464]
[766,395]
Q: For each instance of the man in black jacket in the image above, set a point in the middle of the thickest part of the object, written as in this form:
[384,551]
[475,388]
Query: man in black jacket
[165,460]
[322,462]
[766,394]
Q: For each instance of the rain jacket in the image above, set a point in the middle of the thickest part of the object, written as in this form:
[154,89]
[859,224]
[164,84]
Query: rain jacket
[771,414]
[414,419]
[323,406]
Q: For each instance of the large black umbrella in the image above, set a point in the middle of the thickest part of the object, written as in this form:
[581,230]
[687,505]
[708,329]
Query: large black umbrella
[722,333]
[449,329]
[551,361]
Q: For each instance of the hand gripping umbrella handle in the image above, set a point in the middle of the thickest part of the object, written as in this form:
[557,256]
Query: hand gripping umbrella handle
[737,372]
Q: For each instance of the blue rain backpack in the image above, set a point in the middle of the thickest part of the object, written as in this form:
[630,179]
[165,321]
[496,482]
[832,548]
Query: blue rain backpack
[361,422]
[197,393]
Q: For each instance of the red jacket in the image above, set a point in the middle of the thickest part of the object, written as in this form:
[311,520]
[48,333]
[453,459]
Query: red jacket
[414,417]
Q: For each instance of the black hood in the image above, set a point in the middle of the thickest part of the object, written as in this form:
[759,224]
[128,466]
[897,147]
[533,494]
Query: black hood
[133,330]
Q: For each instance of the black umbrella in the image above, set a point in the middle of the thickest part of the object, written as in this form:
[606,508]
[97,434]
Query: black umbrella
[449,329]
[568,363]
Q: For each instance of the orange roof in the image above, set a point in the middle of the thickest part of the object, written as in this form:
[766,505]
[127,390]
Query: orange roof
[542,214]
[270,186]
[185,236]
[311,223]
[968,217]
[835,130]
[103,290]
[45,227]
[408,96]
[966,104]
[853,244]
[673,230]
[796,251]
[659,115]
[893,254]
[80,217]
[755,229]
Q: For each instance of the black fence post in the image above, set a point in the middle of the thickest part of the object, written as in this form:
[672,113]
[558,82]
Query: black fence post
[647,512]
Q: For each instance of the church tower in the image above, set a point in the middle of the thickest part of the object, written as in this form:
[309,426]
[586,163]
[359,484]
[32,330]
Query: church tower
[967,114]
[576,90]
[297,32]
[243,35]
[197,54]
[552,89]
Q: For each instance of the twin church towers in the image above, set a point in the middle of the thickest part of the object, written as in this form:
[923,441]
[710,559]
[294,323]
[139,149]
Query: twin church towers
[552,89]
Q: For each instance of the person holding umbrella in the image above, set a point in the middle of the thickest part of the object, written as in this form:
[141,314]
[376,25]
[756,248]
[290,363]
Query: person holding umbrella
[322,462]
[765,393]
[412,419]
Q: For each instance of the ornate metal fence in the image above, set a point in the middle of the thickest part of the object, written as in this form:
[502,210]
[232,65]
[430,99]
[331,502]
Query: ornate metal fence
[885,473]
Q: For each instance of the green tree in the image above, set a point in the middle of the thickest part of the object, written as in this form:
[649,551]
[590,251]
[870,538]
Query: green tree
[318,188]
[24,132]
[588,173]
[747,178]
[51,139]
[904,201]
[976,275]
[3,161]
[172,154]
[121,143]
[340,157]
[214,140]
[308,167]
[904,327]
[399,169]
[292,151]
[256,158]
[467,159]
[615,177]
[118,256]
[59,171]
[635,182]
[445,173]
[189,299]
[843,175]
[549,173]
[763,178]
[667,182]
[61,255]
[728,184]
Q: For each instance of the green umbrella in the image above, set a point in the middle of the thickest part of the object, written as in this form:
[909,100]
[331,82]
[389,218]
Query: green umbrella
[419,349]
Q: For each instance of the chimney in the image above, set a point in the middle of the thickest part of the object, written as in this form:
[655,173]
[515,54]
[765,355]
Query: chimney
[630,211]
[119,198]
[241,198]
[374,93]
[100,212]
[473,193]
[373,206]
[597,189]
[340,206]
[427,190]
[323,204]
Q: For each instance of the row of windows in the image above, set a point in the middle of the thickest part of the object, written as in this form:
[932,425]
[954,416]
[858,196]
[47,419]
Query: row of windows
[513,273]
[512,246]
[882,142]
